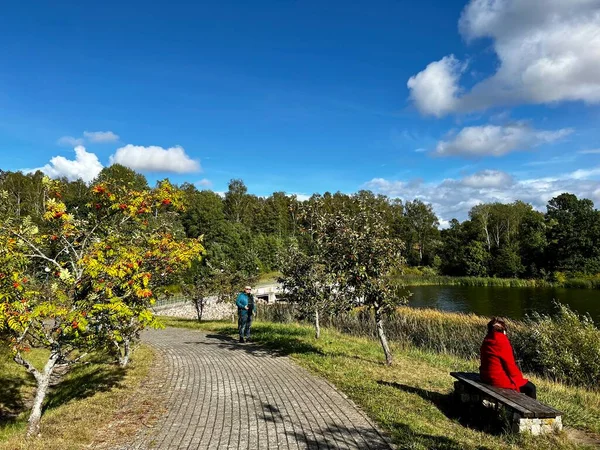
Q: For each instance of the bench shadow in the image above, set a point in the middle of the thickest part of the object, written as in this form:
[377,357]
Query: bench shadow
[479,418]
[404,433]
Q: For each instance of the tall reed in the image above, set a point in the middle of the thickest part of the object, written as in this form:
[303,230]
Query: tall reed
[565,347]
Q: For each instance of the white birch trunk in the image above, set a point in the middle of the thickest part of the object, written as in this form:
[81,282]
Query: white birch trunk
[317,325]
[43,381]
[125,353]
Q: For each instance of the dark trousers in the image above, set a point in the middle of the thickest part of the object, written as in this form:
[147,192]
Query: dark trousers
[529,390]
[244,324]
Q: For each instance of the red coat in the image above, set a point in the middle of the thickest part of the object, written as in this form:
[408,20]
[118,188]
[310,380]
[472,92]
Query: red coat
[498,366]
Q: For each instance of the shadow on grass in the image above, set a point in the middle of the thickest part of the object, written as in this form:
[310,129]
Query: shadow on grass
[477,417]
[266,340]
[331,435]
[85,381]
[408,438]
[261,346]
[12,402]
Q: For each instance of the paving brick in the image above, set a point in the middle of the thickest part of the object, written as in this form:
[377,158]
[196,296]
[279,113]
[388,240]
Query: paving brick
[226,395]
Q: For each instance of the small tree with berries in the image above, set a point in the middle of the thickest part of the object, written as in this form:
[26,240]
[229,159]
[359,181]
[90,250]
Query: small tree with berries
[72,284]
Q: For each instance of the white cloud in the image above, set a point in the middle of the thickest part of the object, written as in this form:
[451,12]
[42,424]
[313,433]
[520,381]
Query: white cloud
[496,140]
[594,151]
[155,159]
[435,89]
[548,51]
[583,174]
[70,141]
[452,198]
[551,161]
[85,166]
[204,182]
[92,137]
[488,179]
[100,137]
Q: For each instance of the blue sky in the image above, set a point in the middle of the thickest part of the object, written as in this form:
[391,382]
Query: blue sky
[453,102]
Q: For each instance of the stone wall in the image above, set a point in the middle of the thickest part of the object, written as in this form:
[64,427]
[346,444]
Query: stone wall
[212,311]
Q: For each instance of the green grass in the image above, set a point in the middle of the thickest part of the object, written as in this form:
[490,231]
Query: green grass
[79,409]
[413,398]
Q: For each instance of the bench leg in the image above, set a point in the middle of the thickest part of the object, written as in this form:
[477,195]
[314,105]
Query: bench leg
[536,426]
[464,395]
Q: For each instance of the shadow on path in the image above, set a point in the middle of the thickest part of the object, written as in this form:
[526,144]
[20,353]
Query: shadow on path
[271,413]
[331,435]
[257,347]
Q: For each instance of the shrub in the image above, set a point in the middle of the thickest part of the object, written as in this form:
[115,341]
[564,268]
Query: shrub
[278,312]
[565,347]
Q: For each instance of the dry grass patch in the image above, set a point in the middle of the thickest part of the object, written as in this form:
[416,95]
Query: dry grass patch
[92,402]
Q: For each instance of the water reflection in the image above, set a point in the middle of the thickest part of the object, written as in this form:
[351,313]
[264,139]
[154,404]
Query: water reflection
[505,301]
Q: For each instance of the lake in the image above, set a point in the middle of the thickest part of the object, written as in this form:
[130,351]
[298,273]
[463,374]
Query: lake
[510,302]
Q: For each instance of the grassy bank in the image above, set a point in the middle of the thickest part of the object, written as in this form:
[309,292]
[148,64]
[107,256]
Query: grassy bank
[412,399]
[441,280]
[79,410]
[564,347]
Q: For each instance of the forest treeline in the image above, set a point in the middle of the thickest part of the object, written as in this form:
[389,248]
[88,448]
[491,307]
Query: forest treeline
[244,232]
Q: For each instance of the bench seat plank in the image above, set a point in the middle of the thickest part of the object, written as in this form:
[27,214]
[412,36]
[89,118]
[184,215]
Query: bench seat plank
[526,406]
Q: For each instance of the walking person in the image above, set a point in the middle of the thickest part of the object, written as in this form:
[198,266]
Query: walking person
[498,366]
[246,310]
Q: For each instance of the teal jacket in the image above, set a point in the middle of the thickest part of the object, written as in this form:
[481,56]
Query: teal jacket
[244,300]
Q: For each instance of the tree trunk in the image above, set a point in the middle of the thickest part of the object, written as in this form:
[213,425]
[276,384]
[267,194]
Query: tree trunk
[199,305]
[487,238]
[43,381]
[126,352]
[382,337]
[317,325]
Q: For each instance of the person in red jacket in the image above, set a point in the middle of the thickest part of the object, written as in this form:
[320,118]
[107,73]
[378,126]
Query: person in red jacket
[498,366]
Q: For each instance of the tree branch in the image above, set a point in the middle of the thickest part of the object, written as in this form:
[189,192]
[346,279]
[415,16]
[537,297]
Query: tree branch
[28,366]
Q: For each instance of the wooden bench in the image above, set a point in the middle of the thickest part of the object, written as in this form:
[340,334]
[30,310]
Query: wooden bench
[525,413]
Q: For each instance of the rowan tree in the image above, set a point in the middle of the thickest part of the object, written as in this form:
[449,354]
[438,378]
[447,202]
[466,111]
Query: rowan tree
[74,283]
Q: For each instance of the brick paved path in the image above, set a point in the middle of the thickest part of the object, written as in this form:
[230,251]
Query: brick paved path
[226,395]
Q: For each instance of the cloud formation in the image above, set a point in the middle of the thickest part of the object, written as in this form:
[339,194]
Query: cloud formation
[92,137]
[85,166]
[70,141]
[548,51]
[496,140]
[100,137]
[155,159]
[488,179]
[204,182]
[453,198]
